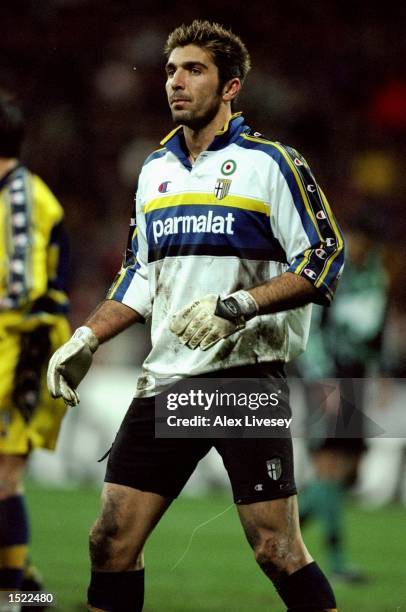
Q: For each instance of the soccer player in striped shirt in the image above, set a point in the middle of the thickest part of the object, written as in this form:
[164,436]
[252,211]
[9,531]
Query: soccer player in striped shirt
[33,306]
[230,242]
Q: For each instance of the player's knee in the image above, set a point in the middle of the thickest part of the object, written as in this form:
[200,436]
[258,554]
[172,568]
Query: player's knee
[271,551]
[102,542]
[110,548]
[278,553]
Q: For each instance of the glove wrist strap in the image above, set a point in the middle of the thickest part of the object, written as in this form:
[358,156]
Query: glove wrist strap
[237,307]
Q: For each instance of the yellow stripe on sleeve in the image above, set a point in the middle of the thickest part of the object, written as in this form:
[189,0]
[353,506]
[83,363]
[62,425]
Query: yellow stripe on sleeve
[303,193]
[340,241]
[116,284]
[304,262]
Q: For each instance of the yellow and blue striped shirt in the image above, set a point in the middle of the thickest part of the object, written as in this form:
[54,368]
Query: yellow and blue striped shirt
[248,210]
[33,249]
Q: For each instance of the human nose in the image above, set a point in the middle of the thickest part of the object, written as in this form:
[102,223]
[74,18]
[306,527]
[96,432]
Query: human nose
[177,80]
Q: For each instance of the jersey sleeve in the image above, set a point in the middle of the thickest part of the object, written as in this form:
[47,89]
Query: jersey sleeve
[305,226]
[131,286]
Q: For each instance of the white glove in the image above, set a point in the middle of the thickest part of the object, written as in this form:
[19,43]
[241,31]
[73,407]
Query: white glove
[70,363]
[205,322]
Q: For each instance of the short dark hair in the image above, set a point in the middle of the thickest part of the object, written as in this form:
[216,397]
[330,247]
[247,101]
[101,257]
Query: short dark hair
[12,125]
[227,50]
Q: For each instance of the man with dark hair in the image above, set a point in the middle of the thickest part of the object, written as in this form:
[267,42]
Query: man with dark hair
[230,241]
[227,50]
[33,324]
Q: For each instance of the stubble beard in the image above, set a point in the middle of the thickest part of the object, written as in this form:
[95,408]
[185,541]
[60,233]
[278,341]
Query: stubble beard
[195,121]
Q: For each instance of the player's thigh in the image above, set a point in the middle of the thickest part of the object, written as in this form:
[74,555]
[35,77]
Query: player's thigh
[12,468]
[140,460]
[129,514]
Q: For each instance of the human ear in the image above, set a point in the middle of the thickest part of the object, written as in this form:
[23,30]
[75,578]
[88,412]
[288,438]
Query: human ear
[231,89]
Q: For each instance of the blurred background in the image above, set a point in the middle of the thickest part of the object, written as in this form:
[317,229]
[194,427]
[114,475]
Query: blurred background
[328,78]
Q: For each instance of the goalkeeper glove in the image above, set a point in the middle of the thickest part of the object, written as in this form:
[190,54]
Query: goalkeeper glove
[70,363]
[206,321]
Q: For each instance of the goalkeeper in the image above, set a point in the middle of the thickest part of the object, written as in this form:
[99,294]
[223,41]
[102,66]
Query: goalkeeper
[231,240]
[33,305]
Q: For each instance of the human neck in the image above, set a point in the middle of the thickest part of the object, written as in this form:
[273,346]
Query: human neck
[199,140]
[6,165]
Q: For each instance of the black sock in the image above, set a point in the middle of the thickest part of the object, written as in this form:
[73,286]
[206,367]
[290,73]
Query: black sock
[116,591]
[13,541]
[307,590]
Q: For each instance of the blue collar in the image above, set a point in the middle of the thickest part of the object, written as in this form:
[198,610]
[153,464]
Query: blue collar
[175,140]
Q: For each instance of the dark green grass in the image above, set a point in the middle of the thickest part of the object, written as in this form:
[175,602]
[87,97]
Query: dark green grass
[218,573]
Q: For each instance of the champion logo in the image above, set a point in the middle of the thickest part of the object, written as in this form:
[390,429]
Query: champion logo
[19,219]
[17,266]
[297,162]
[17,197]
[16,288]
[310,273]
[17,184]
[20,240]
[320,214]
[163,187]
[321,253]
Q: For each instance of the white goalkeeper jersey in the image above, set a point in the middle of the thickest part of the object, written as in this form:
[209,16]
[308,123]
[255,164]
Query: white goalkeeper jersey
[248,210]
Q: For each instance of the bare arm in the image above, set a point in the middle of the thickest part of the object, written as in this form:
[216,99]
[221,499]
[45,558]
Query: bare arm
[283,293]
[110,318]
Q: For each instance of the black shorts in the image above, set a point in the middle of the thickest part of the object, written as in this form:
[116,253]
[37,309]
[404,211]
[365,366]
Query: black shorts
[259,469]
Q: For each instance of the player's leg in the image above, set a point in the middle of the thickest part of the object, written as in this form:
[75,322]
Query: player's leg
[334,467]
[272,529]
[144,474]
[116,541]
[261,475]
[335,462]
[22,431]
[13,522]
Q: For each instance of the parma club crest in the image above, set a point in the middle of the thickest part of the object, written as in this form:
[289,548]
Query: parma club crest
[222,188]
[274,467]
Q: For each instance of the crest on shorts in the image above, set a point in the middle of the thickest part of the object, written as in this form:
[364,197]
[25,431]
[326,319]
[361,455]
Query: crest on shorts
[222,188]
[274,467]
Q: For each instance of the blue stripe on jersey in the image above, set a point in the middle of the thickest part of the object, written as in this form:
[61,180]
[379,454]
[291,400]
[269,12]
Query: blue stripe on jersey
[215,250]
[332,278]
[271,150]
[122,282]
[155,155]
[59,239]
[219,230]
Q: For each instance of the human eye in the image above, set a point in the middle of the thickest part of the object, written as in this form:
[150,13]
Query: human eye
[195,70]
